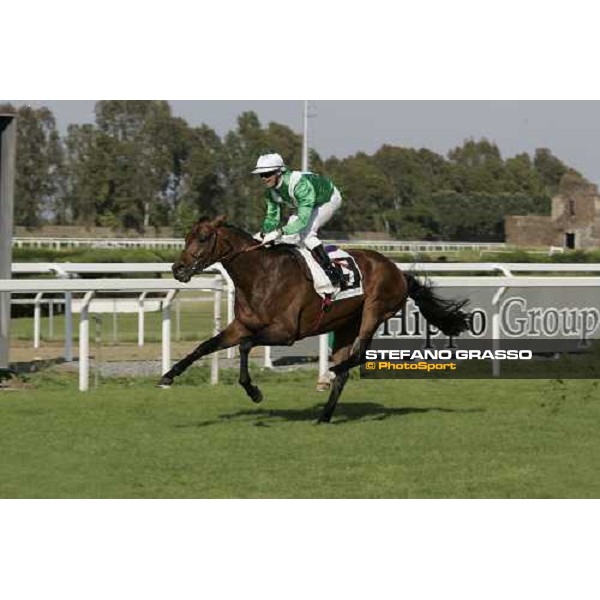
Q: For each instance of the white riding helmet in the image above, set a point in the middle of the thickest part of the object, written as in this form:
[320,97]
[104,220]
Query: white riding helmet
[267,163]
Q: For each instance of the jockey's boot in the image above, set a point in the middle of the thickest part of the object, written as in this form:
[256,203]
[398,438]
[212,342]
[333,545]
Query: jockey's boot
[333,271]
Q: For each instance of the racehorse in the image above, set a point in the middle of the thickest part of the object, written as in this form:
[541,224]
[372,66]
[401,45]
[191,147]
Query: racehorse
[276,304]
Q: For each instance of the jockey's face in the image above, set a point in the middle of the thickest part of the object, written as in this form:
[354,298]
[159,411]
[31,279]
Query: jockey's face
[270,179]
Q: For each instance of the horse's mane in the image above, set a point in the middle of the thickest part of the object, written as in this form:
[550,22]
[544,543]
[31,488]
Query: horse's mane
[283,248]
[237,230]
[287,249]
[234,228]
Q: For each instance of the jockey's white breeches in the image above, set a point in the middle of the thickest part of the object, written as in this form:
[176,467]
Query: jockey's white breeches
[320,215]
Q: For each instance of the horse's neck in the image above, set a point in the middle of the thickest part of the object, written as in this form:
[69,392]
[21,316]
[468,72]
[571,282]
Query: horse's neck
[241,267]
[251,270]
[244,268]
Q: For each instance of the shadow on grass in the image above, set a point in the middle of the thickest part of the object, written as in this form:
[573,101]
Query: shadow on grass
[345,413]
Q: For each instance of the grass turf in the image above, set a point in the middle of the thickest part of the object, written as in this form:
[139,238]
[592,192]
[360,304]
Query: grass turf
[388,439]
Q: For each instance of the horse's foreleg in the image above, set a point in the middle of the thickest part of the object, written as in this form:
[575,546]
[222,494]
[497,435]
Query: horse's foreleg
[343,343]
[253,391]
[230,336]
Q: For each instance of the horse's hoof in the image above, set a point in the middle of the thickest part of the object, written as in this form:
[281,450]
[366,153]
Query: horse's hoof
[323,420]
[324,382]
[165,382]
[256,395]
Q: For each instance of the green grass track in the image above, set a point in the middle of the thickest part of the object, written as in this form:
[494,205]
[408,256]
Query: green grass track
[388,439]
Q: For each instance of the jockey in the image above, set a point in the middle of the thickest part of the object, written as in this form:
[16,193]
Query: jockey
[315,198]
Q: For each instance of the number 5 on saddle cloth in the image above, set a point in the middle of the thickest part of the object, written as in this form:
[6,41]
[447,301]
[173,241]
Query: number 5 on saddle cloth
[323,286]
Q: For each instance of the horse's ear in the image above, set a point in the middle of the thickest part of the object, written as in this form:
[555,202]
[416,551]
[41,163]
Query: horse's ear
[219,220]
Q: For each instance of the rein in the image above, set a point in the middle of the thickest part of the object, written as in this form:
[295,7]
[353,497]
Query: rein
[198,257]
[253,248]
[325,307]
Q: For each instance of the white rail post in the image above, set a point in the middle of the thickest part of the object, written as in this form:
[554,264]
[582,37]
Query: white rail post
[214,365]
[51,319]
[68,326]
[166,331]
[62,273]
[115,324]
[230,306]
[496,333]
[141,315]
[84,344]
[496,329]
[268,361]
[178,319]
[324,358]
[37,318]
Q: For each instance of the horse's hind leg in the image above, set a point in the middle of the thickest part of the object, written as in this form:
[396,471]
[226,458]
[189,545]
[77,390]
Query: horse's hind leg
[253,391]
[373,316]
[342,348]
[230,336]
[337,386]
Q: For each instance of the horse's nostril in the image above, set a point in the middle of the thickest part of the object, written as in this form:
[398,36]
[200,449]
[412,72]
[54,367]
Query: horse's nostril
[181,273]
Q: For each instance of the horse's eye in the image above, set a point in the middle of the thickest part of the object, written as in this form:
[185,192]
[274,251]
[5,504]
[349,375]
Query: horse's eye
[203,236]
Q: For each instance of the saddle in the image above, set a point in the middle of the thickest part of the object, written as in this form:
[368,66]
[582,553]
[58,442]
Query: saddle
[313,272]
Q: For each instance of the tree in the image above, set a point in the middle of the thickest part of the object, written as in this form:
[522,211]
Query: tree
[284,141]
[415,174]
[480,216]
[520,176]
[142,157]
[240,149]
[89,189]
[367,194]
[550,169]
[39,164]
[243,192]
[477,166]
[138,166]
[202,178]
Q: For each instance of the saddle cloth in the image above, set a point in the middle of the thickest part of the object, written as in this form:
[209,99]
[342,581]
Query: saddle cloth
[323,285]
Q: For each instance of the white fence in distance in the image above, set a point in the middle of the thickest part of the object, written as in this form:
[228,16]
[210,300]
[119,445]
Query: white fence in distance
[59,243]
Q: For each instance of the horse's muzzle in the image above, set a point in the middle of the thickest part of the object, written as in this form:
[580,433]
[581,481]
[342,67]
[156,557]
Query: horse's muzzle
[181,272]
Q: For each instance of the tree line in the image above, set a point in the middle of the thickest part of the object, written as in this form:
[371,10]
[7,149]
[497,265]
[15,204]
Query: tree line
[139,167]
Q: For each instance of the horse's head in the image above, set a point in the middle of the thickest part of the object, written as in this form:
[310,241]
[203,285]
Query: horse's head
[205,244]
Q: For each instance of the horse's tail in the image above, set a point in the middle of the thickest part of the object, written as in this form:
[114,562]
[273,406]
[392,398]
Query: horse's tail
[446,315]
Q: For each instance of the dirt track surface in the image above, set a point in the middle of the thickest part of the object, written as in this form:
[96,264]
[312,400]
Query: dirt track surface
[23,351]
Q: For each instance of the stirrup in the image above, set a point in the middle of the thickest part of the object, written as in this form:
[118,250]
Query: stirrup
[336,276]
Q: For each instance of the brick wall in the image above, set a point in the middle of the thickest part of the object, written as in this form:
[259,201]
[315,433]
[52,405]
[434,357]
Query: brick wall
[532,230]
[576,210]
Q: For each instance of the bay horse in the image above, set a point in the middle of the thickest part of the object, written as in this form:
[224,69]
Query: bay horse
[276,304]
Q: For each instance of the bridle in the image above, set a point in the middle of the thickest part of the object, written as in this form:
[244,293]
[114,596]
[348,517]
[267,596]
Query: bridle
[197,258]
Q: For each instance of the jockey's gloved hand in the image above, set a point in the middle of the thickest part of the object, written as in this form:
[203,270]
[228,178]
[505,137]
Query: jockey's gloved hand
[272,236]
[259,236]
